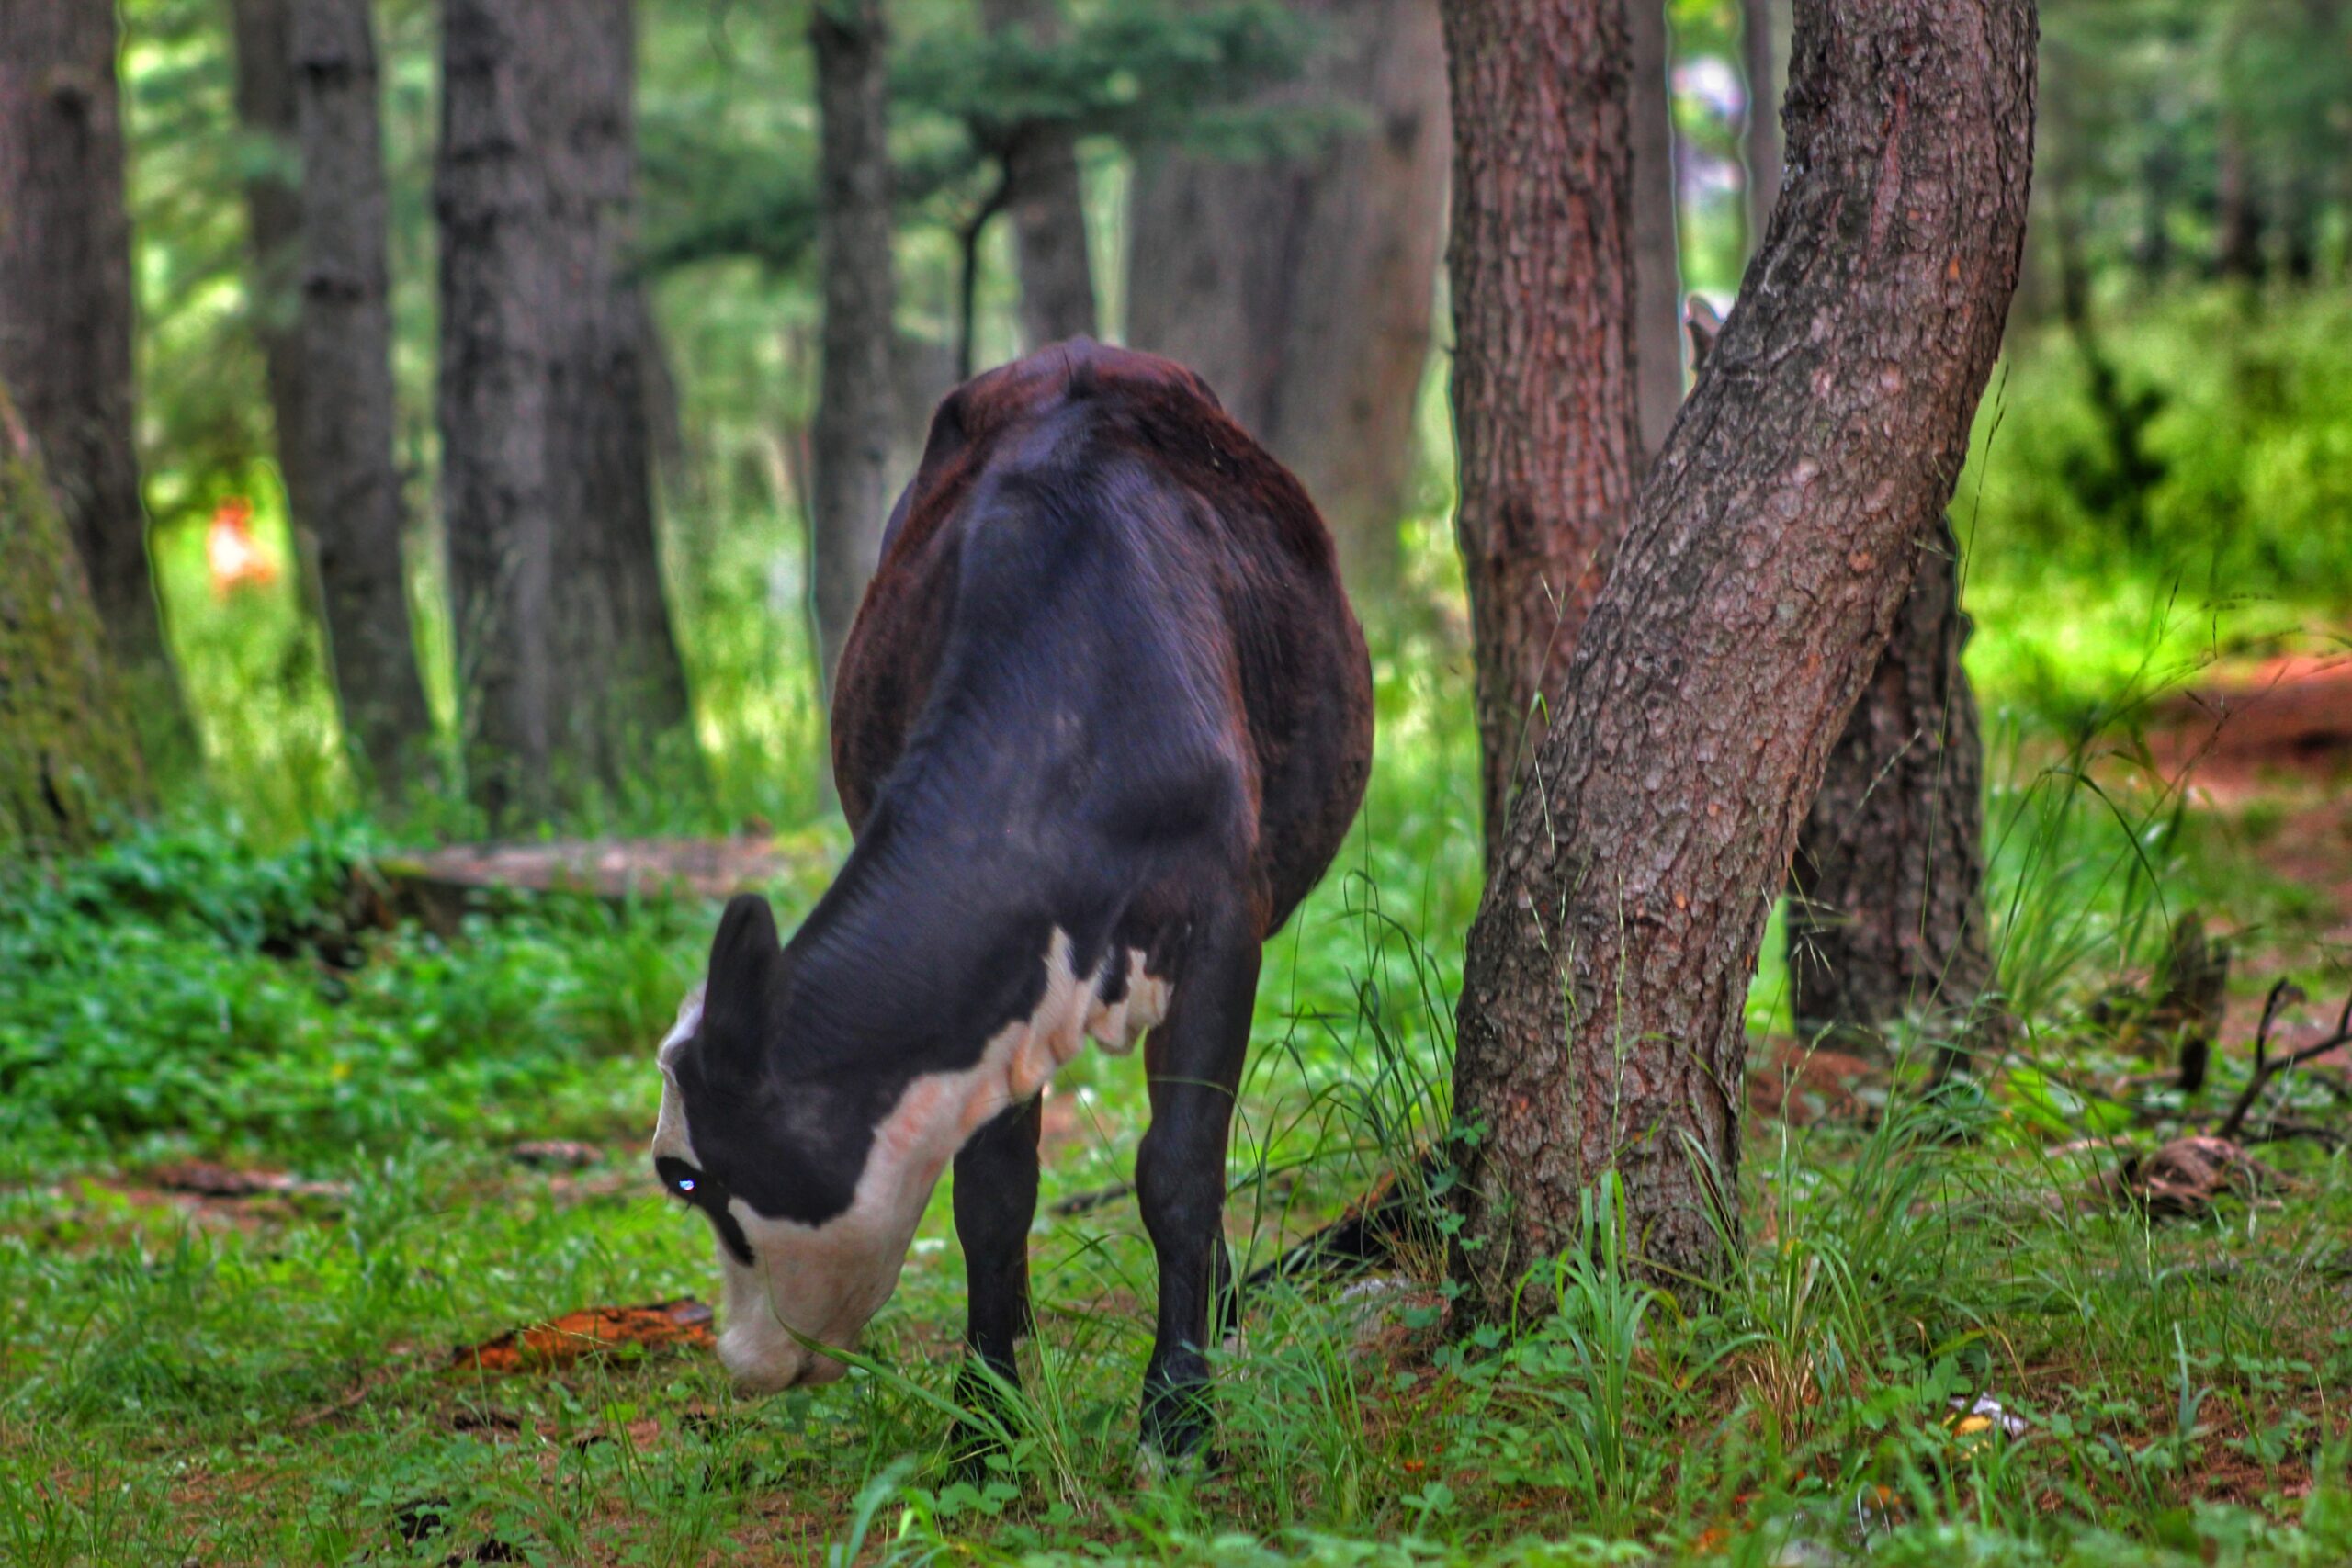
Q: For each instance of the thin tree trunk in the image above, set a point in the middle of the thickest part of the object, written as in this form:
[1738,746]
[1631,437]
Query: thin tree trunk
[2238,231]
[69,756]
[1887,907]
[1761,52]
[340,474]
[496,274]
[851,447]
[1600,1025]
[566,659]
[1049,205]
[1545,403]
[1302,290]
[262,32]
[622,688]
[1657,261]
[65,325]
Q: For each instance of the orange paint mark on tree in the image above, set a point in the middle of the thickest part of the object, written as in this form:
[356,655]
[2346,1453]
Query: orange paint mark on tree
[232,558]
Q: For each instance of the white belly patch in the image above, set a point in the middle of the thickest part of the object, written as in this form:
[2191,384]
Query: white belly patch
[1022,1055]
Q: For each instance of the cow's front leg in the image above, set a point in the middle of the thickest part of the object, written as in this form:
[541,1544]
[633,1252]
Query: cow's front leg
[1193,1059]
[996,1201]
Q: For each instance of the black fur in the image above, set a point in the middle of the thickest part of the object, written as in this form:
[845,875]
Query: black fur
[1105,682]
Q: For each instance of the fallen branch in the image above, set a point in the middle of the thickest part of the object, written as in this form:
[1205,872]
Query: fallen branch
[1088,1201]
[2266,1069]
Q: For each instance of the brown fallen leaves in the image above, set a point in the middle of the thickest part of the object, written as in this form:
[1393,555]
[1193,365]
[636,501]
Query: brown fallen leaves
[592,1331]
[2184,1177]
[202,1179]
[2180,1180]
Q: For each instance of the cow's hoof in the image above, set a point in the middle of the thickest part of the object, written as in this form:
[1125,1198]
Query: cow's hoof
[974,1452]
[1156,1467]
[1176,1430]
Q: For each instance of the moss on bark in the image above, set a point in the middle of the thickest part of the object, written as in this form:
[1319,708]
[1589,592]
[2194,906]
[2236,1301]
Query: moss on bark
[69,758]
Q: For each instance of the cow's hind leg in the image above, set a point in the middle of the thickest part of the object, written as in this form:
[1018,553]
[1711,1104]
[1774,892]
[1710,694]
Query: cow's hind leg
[996,1201]
[1193,1059]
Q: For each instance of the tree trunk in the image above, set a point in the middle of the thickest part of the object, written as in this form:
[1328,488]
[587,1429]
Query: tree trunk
[341,478]
[1887,911]
[851,446]
[2237,246]
[1657,262]
[68,755]
[264,35]
[624,688]
[1047,205]
[1761,52]
[1887,886]
[1302,290]
[1600,1025]
[65,319]
[566,661]
[1546,418]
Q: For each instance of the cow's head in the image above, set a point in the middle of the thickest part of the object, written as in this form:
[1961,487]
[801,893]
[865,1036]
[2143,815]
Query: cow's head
[813,1173]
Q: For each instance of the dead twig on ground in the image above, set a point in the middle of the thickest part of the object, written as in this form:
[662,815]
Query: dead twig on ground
[2266,1067]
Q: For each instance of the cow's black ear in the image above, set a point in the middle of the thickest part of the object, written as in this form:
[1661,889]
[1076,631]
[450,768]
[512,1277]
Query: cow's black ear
[747,940]
[744,959]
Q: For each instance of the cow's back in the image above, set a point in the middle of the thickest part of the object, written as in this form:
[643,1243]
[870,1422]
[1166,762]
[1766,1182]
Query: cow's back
[1209,582]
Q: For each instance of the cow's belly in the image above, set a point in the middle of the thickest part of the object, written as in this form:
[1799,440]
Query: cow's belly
[1116,1005]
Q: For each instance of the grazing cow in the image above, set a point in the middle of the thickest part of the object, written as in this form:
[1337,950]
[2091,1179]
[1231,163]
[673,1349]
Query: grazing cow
[1102,721]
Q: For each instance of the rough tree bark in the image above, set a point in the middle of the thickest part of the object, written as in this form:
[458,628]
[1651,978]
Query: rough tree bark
[1302,290]
[69,756]
[849,448]
[1761,51]
[65,317]
[1047,206]
[1600,1025]
[1657,260]
[1886,914]
[337,439]
[1546,418]
[1886,911]
[263,34]
[566,662]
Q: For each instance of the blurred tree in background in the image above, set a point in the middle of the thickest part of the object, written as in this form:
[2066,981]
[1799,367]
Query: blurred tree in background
[1300,284]
[65,317]
[69,756]
[2166,395]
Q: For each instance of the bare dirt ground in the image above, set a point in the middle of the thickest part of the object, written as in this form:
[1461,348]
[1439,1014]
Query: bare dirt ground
[2268,747]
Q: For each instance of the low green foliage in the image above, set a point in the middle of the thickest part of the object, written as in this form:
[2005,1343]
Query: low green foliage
[2247,403]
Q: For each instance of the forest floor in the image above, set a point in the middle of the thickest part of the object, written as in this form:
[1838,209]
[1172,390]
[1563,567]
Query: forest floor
[307,1211]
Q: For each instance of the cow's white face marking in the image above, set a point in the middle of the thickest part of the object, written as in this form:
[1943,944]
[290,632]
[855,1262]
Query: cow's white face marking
[824,1282]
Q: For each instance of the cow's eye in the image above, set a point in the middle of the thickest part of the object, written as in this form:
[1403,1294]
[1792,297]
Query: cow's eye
[686,1185]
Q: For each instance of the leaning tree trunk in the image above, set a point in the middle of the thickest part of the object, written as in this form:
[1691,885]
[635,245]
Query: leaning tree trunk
[1302,290]
[1600,1026]
[850,450]
[1886,912]
[1657,261]
[69,756]
[1048,206]
[65,320]
[340,474]
[1760,55]
[1546,418]
[1887,915]
[567,666]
